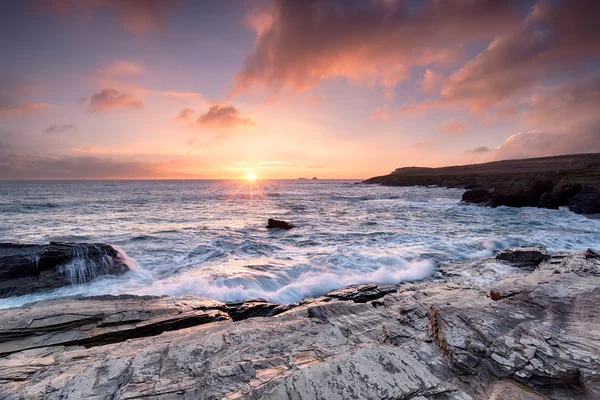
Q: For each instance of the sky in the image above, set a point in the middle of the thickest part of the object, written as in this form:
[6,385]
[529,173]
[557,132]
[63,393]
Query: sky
[191,89]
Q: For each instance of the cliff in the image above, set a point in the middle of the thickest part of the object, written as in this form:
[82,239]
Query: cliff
[547,182]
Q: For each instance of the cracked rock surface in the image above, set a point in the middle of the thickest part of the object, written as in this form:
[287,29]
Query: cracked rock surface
[448,337]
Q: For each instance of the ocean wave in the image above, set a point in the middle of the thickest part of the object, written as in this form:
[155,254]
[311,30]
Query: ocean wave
[277,285]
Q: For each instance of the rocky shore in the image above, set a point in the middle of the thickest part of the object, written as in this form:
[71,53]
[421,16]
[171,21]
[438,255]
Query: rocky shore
[549,182]
[32,268]
[522,325]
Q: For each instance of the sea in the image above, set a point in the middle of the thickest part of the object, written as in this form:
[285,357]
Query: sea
[209,237]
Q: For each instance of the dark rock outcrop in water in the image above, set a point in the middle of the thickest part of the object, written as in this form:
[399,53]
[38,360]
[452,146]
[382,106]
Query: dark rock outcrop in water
[277,224]
[548,182]
[523,256]
[480,329]
[31,268]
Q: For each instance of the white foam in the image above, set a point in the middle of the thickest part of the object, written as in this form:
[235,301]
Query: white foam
[279,288]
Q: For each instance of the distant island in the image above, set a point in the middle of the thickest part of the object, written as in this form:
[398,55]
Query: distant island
[314,178]
[545,182]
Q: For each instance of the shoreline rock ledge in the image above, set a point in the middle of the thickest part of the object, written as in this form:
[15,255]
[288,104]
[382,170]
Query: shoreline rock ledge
[31,268]
[478,329]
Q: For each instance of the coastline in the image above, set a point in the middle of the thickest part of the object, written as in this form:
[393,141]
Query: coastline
[547,182]
[473,329]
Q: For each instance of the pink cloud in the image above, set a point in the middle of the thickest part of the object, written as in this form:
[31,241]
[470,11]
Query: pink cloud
[225,117]
[431,82]
[111,99]
[185,114]
[451,127]
[301,43]
[8,111]
[120,68]
[555,40]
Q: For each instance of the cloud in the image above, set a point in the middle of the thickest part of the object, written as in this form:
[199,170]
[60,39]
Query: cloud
[135,16]
[7,110]
[224,117]
[301,43]
[120,68]
[431,81]
[19,166]
[563,120]
[183,95]
[479,150]
[451,127]
[555,40]
[537,144]
[185,114]
[60,128]
[111,99]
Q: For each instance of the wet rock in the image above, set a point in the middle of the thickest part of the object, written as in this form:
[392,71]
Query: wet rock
[587,201]
[523,256]
[362,293]
[31,268]
[253,308]
[564,191]
[476,196]
[547,200]
[277,224]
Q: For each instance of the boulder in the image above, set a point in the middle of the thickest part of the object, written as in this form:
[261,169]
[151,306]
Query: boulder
[32,268]
[587,201]
[277,224]
[523,256]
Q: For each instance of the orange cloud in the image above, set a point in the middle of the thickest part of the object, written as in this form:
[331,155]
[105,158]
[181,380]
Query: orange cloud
[301,43]
[224,117]
[111,99]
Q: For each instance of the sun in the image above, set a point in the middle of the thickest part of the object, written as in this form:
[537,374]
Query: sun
[251,177]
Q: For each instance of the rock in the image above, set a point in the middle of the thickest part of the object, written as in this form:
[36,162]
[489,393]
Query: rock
[101,320]
[547,200]
[587,201]
[589,253]
[440,338]
[252,309]
[523,256]
[476,196]
[564,191]
[31,268]
[362,293]
[277,224]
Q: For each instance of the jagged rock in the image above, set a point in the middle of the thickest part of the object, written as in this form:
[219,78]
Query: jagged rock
[362,293]
[523,256]
[252,309]
[31,268]
[277,224]
[587,201]
[442,338]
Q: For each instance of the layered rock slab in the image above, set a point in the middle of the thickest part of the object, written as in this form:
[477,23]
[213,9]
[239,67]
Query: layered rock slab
[443,338]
